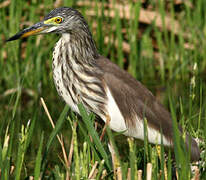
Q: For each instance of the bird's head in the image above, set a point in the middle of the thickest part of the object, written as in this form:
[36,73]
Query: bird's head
[60,20]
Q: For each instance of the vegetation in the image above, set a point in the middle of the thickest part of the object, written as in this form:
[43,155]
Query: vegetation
[161,43]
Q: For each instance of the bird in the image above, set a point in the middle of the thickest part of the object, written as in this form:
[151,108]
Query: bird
[82,75]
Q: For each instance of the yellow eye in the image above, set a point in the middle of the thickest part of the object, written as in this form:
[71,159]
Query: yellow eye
[58,20]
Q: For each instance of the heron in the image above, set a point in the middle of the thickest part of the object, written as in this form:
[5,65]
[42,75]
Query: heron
[82,75]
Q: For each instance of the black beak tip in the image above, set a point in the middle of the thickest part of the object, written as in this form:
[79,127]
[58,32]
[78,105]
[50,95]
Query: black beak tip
[12,38]
[7,40]
[15,37]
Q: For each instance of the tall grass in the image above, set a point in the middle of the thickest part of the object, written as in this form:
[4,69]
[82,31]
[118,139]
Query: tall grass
[172,65]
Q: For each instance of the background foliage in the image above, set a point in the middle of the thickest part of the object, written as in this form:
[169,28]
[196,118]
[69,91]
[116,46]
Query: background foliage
[161,43]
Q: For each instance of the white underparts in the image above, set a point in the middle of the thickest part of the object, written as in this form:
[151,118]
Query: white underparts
[117,123]
[153,135]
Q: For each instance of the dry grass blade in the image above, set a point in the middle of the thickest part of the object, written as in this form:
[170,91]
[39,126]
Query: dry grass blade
[91,174]
[5,3]
[10,91]
[70,157]
[115,161]
[119,173]
[47,113]
[149,171]
[139,175]
[12,170]
[158,149]
[59,139]
[129,174]
[31,178]
[104,174]
[177,175]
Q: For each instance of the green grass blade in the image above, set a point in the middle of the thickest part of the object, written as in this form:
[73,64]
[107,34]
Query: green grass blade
[38,159]
[76,153]
[86,118]
[91,144]
[132,158]
[58,126]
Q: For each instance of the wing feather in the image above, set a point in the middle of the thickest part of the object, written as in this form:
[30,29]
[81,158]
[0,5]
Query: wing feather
[133,99]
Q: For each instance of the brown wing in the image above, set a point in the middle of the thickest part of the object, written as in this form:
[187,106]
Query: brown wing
[131,96]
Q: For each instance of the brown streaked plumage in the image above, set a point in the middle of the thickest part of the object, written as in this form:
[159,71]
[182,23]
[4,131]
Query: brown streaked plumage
[82,75]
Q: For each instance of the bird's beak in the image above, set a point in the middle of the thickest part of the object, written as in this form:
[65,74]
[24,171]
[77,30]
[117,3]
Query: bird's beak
[37,28]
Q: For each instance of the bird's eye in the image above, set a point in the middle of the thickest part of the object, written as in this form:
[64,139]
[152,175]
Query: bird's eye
[58,20]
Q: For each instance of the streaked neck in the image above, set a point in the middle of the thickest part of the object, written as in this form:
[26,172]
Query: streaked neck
[80,46]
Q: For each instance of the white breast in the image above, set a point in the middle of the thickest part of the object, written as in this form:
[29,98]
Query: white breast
[57,75]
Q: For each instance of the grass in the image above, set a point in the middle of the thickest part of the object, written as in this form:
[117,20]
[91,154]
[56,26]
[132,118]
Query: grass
[171,64]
